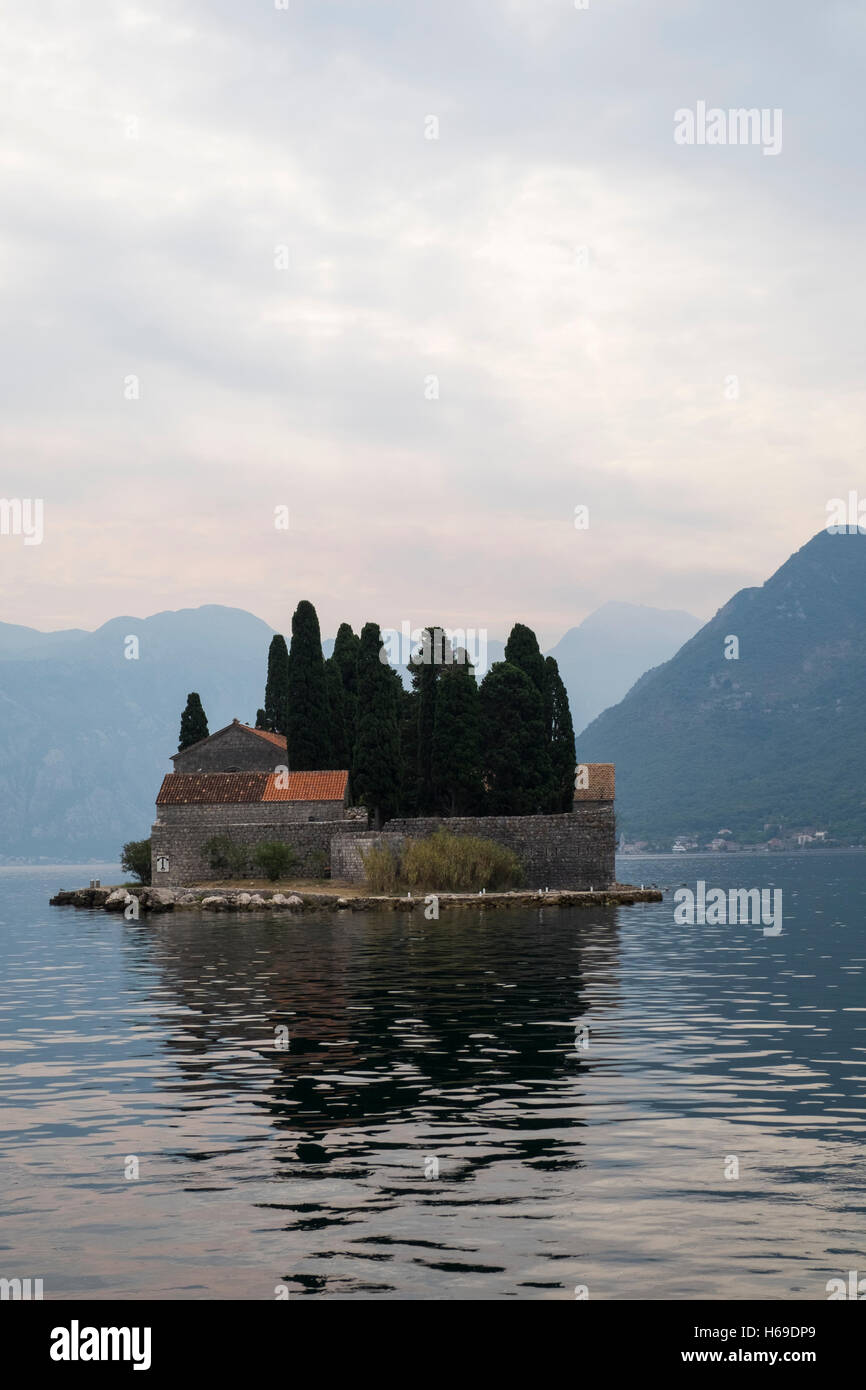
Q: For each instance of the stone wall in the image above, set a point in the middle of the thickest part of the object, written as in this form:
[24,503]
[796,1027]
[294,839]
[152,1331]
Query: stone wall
[181,831]
[573,850]
[347,852]
[236,750]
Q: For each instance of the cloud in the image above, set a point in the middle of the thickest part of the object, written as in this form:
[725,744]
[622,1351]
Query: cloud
[238,207]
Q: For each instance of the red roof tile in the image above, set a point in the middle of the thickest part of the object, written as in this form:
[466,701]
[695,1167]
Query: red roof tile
[211,788]
[235,788]
[307,786]
[602,783]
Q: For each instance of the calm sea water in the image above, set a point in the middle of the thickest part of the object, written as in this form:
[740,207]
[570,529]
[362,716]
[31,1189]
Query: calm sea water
[416,1044]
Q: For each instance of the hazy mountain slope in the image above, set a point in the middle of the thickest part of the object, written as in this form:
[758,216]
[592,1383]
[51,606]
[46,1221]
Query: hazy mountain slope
[776,737]
[85,734]
[601,659]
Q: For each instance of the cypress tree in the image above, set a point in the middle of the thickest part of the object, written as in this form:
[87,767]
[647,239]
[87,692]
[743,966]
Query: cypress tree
[408,718]
[516,755]
[456,746]
[376,772]
[425,668]
[561,732]
[340,752]
[277,686]
[261,720]
[345,657]
[193,723]
[308,731]
[522,650]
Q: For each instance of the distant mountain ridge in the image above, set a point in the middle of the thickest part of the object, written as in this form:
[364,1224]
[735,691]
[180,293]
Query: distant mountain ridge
[774,739]
[86,734]
[601,659]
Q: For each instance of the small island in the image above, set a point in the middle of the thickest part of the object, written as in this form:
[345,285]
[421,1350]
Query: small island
[453,793]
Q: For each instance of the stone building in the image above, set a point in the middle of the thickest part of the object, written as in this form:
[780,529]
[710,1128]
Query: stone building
[235,784]
[303,809]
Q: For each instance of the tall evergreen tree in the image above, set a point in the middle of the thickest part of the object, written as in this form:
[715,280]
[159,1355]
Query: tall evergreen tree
[277,686]
[408,720]
[193,723]
[308,725]
[376,772]
[340,752]
[522,650]
[516,756]
[561,732]
[456,760]
[261,720]
[345,656]
[426,666]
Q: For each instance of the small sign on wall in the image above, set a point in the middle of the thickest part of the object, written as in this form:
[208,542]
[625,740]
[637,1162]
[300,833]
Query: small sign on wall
[162,863]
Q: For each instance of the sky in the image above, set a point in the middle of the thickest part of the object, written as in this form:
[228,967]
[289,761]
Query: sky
[423,278]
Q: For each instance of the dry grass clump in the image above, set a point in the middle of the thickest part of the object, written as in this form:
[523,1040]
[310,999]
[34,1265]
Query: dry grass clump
[443,863]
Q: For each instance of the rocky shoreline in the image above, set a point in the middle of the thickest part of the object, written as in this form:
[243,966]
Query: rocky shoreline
[158,900]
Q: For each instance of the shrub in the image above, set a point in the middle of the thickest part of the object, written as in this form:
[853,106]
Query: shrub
[135,859]
[276,859]
[316,865]
[225,856]
[381,869]
[459,864]
[443,863]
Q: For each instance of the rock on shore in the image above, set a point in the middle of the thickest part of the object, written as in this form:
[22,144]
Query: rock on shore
[239,900]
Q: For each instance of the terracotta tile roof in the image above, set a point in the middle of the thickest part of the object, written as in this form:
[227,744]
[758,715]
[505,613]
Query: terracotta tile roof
[211,788]
[307,786]
[235,788]
[602,783]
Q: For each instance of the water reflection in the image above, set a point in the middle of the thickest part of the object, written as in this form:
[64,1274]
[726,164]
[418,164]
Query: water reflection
[455,1042]
[460,1023]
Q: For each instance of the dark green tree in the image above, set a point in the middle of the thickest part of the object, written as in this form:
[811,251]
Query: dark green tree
[456,761]
[277,686]
[376,771]
[308,724]
[522,650]
[425,666]
[193,723]
[561,732]
[408,719]
[345,656]
[341,756]
[135,859]
[516,755]
[261,719]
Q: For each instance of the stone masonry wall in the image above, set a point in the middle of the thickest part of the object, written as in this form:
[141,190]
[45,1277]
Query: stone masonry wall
[236,749]
[573,850]
[347,852]
[181,831]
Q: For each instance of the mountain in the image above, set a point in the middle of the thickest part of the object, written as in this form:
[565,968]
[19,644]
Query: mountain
[773,740]
[600,660]
[86,734]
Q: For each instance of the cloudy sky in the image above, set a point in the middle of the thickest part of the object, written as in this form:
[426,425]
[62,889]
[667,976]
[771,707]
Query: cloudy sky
[237,210]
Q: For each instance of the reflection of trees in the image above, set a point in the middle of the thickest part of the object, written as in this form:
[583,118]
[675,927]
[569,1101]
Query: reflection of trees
[466,1020]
